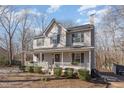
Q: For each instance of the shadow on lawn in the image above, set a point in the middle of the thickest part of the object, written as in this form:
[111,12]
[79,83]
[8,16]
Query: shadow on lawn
[20,80]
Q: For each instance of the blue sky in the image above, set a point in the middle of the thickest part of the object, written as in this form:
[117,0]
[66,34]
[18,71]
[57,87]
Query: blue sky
[77,13]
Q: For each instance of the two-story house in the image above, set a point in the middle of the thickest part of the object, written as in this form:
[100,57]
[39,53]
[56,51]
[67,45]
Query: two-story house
[65,47]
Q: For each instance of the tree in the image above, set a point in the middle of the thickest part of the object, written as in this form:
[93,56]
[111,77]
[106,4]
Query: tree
[67,23]
[26,34]
[108,39]
[9,22]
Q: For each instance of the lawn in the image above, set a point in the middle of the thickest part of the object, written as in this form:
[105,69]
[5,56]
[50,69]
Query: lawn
[20,80]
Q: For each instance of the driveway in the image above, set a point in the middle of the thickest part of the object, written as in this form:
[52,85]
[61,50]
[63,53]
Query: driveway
[116,81]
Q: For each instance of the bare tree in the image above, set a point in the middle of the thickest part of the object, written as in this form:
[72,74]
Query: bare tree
[108,37]
[26,34]
[9,22]
[67,23]
[40,22]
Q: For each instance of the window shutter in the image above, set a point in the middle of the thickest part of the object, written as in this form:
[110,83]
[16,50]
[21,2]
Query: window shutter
[72,37]
[58,38]
[42,57]
[82,37]
[82,57]
[72,57]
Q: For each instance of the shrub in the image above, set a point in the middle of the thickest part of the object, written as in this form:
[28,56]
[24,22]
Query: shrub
[37,69]
[22,68]
[75,63]
[44,79]
[83,74]
[69,72]
[57,71]
[3,60]
[29,69]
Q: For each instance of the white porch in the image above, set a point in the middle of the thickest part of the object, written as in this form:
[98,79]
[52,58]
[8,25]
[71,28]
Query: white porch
[63,58]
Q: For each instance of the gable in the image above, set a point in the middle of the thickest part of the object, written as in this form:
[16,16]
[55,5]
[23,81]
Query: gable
[52,27]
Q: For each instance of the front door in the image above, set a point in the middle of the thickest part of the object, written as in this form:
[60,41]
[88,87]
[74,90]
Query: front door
[57,57]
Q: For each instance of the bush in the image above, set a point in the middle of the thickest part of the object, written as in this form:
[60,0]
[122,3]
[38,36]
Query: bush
[3,60]
[69,72]
[22,68]
[75,63]
[83,74]
[44,79]
[29,69]
[37,69]
[57,71]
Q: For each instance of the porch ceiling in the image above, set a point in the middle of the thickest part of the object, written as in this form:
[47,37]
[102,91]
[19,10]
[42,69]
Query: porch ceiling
[64,49]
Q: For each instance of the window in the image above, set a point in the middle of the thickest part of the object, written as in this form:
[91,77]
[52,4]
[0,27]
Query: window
[78,37]
[55,39]
[40,42]
[78,57]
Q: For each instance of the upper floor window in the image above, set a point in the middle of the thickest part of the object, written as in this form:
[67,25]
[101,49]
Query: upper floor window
[78,37]
[40,42]
[55,39]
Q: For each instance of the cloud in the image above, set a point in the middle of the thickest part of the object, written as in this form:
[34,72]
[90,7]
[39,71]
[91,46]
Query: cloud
[100,13]
[86,7]
[103,11]
[78,20]
[83,9]
[91,12]
[33,11]
[53,8]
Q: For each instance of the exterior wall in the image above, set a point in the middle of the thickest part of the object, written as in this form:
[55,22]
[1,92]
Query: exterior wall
[48,57]
[87,39]
[47,43]
[67,57]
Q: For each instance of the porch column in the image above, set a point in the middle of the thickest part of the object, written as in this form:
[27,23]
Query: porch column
[34,58]
[62,59]
[89,61]
[40,57]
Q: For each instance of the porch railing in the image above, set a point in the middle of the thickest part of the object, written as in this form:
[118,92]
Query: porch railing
[44,65]
[47,65]
[62,64]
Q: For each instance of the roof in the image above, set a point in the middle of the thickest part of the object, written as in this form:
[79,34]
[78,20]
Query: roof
[86,26]
[62,49]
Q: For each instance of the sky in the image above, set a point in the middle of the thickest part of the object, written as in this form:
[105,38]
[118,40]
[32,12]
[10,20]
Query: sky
[77,13]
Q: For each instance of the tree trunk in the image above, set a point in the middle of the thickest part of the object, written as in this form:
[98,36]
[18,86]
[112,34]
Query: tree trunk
[10,52]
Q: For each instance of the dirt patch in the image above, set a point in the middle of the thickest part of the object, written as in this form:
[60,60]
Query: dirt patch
[117,85]
[65,83]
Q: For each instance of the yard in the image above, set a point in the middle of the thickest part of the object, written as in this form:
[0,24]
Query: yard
[13,78]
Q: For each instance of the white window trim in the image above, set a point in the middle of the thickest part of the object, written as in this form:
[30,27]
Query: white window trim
[78,37]
[80,57]
[41,40]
